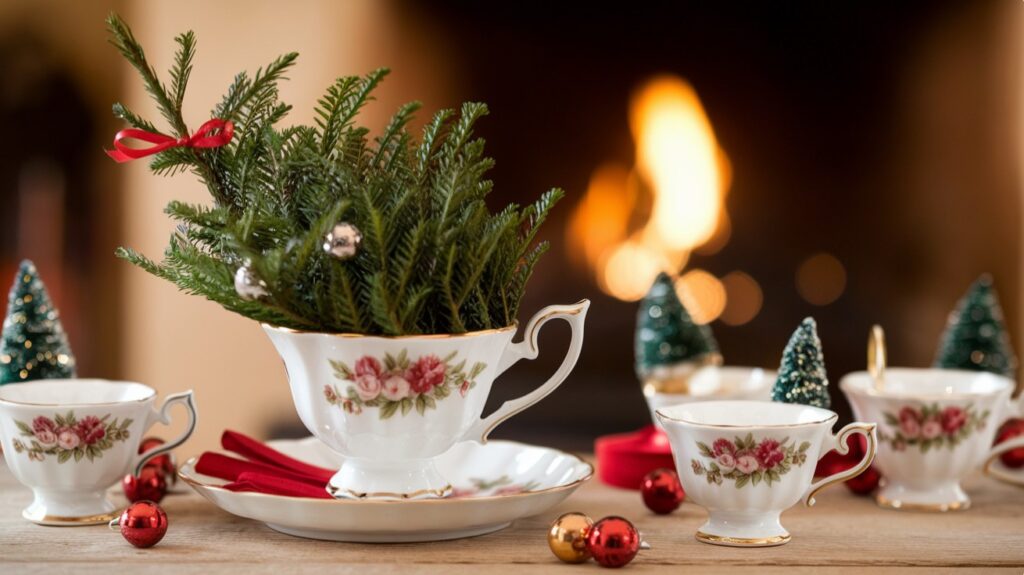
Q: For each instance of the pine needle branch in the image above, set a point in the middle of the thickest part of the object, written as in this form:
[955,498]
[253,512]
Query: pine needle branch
[433,258]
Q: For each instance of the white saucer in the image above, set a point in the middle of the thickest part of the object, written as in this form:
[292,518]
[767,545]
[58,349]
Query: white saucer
[995,467]
[495,484]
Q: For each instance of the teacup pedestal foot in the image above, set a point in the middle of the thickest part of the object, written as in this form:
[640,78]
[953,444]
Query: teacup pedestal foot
[388,480]
[743,530]
[946,497]
[60,508]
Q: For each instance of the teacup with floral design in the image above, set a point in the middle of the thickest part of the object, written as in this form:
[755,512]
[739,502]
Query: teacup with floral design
[71,439]
[748,461]
[935,427]
[391,405]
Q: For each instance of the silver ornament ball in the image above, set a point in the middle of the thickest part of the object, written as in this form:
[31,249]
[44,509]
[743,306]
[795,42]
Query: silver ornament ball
[342,242]
[248,285]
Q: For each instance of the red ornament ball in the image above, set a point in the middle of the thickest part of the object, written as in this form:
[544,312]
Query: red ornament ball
[613,541]
[866,482]
[662,491]
[150,485]
[163,462]
[143,524]
[1013,458]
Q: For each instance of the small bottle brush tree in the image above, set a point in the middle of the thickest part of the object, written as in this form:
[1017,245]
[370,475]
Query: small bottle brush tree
[802,377]
[33,344]
[431,257]
[975,337]
[666,334]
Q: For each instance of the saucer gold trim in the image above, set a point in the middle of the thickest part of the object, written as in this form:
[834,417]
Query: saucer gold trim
[926,507]
[57,520]
[742,541]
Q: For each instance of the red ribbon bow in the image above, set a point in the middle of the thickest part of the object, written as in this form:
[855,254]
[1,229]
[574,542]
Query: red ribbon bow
[201,139]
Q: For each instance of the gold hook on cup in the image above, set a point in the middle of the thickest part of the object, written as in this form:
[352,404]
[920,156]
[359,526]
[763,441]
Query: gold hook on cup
[876,356]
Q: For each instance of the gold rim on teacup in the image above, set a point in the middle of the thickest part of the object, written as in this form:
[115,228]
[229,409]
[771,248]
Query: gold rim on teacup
[35,386]
[831,417]
[512,327]
[850,382]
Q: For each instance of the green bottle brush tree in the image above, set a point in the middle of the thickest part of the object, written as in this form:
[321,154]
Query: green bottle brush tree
[975,337]
[33,344]
[802,377]
[421,252]
[668,342]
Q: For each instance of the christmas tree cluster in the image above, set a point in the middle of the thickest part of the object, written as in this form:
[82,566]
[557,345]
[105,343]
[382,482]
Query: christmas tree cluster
[802,378]
[666,334]
[975,336]
[432,258]
[33,344]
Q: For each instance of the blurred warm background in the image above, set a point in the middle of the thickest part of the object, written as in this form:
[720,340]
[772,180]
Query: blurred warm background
[859,162]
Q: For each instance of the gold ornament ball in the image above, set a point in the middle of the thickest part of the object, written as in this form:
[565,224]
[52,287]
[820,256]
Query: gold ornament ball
[342,242]
[248,285]
[568,537]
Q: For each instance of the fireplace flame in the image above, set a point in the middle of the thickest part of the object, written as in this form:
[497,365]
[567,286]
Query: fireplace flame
[634,223]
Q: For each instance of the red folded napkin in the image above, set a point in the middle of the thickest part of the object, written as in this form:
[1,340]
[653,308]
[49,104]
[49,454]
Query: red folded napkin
[262,483]
[264,470]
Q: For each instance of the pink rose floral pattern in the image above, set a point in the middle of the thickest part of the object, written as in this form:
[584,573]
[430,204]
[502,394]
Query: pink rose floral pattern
[400,384]
[490,487]
[67,437]
[743,460]
[931,426]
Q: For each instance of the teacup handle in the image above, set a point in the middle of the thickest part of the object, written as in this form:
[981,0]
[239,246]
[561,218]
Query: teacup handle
[1016,410]
[163,416]
[574,314]
[837,441]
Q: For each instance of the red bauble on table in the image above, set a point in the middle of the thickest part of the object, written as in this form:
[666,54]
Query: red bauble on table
[1014,459]
[163,462]
[662,491]
[865,483]
[143,524]
[833,463]
[613,541]
[150,485]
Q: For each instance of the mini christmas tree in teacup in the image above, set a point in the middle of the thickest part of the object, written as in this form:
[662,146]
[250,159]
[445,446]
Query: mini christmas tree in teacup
[375,266]
[937,425]
[678,360]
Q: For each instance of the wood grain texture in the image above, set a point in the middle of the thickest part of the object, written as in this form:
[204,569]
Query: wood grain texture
[843,534]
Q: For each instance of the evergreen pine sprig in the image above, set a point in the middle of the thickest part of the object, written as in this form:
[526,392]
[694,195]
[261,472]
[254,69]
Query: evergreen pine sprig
[433,259]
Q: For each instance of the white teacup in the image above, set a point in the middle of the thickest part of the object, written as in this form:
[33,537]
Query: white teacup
[69,440]
[935,427]
[714,382]
[748,461]
[390,405]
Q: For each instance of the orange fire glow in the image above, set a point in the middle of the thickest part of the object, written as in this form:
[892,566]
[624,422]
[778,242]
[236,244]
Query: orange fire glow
[633,224]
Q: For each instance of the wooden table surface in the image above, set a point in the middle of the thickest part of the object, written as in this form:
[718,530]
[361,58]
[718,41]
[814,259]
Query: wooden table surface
[841,534]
